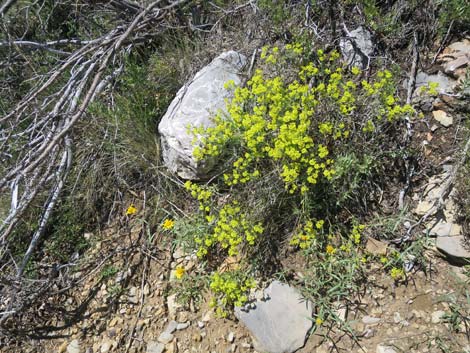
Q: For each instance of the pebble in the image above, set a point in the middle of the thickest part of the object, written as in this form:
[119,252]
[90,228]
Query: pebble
[231,337]
[369,332]
[397,317]
[441,116]
[385,349]
[182,326]
[146,289]
[171,327]
[200,324]
[133,296]
[105,347]
[165,337]
[197,337]
[370,320]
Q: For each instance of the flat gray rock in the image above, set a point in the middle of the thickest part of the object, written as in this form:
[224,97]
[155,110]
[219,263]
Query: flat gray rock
[358,48]
[445,229]
[455,248]
[195,105]
[280,323]
[445,83]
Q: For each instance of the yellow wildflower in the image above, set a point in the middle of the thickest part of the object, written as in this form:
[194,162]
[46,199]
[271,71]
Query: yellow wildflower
[318,321]
[179,272]
[330,249]
[397,273]
[131,210]
[168,224]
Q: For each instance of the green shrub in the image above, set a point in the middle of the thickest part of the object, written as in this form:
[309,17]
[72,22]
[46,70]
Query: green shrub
[307,127]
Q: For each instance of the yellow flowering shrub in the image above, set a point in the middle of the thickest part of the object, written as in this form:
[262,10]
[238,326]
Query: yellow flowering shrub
[288,131]
[296,127]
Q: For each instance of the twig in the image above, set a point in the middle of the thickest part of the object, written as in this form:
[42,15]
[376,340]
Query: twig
[409,170]
[441,46]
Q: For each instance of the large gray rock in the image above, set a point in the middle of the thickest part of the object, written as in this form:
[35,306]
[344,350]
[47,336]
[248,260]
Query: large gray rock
[280,323]
[357,48]
[455,248]
[195,105]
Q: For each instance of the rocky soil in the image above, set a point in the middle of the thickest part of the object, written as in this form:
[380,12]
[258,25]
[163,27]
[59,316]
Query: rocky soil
[134,310]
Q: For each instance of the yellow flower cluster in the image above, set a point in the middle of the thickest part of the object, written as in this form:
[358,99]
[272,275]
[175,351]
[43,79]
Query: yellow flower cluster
[232,228]
[202,194]
[354,239]
[230,288]
[397,273]
[308,234]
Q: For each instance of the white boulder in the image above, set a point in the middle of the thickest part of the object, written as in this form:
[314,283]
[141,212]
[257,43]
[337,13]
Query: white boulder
[195,104]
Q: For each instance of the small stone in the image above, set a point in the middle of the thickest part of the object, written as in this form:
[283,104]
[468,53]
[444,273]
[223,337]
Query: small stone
[368,332]
[133,296]
[171,327]
[434,127]
[146,289]
[200,324]
[231,337]
[73,347]
[165,337]
[182,326]
[155,347]
[197,337]
[397,317]
[436,316]
[370,320]
[385,349]
[246,345]
[441,116]
[105,347]
[341,313]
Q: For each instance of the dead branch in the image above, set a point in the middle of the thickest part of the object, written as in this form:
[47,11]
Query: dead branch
[36,138]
